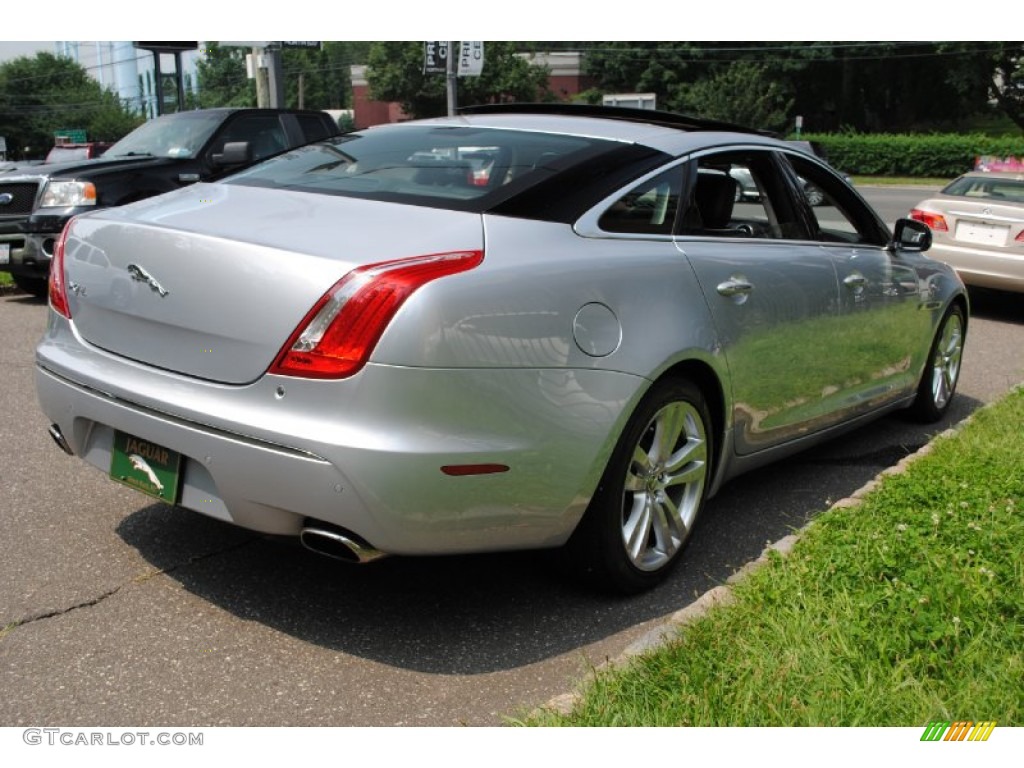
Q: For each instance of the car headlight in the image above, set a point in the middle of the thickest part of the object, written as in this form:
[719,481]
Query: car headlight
[64,194]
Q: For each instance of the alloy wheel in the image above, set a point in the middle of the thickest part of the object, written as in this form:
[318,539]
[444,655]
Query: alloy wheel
[664,485]
[945,363]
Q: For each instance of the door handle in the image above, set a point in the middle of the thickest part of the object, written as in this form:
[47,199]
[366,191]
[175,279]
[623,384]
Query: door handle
[735,286]
[855,281]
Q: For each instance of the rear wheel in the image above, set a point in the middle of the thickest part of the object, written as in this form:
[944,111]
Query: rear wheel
[37,286]
[938,382]
[651,493]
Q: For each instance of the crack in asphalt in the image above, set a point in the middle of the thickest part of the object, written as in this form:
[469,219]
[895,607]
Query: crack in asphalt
[140,579]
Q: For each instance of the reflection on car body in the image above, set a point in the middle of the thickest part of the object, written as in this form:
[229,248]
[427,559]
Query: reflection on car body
[521,327]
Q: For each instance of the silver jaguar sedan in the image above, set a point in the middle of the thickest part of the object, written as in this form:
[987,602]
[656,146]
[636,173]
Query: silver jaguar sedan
[530,326]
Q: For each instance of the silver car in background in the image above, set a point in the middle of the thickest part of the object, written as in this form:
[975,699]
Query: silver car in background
[523,327]
[977,224]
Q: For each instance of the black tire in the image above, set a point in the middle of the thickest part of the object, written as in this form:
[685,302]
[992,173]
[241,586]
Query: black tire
[651,494]
[942,371]
[37,286]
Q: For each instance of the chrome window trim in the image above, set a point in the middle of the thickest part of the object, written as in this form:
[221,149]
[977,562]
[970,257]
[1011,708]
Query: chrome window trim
[587,225]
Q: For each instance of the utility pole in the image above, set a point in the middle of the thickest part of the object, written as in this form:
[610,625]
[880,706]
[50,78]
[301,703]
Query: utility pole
[275,77]
[262,78]
[453,81]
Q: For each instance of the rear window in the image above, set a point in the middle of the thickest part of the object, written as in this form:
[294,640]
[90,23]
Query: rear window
[988,188]
[314,128]
[461,168]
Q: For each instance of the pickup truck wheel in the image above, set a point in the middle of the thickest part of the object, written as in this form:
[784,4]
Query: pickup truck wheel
[37,286]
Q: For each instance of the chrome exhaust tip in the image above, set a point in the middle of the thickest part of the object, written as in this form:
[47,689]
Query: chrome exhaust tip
[60,440]
[338,544]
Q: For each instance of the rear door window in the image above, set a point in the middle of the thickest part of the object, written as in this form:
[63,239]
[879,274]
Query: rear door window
[740,194]
[264,133]
[313,128]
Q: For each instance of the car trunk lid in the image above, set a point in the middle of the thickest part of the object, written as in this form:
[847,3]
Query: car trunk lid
[211,281]
[983,223]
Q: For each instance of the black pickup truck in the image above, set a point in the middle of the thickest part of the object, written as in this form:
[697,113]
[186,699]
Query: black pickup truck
[159,156]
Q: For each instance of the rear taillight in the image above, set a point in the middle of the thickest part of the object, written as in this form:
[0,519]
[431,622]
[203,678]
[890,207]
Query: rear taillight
[934,221]
[337,336]
[58,281]
[1020,237]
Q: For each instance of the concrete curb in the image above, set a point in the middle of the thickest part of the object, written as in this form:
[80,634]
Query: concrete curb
[723,595]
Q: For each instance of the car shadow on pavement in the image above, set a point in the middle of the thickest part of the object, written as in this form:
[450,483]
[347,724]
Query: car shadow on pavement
[485,613]
[1001,306]
[25,298]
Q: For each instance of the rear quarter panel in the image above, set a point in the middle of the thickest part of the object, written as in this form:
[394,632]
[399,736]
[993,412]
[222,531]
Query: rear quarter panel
[520,307]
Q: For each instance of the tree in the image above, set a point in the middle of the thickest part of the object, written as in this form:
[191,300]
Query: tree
[222,78]
[996,70]
[325,74]
[42,94]
[876,86]
[644,67]
[741,93]
[395,73]
[1006,82]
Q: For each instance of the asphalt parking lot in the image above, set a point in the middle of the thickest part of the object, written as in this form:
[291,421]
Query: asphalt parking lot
[117,611]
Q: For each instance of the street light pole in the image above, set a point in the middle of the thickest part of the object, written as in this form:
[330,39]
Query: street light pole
[453,81]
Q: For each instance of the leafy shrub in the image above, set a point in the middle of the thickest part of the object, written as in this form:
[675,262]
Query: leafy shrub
[942,155]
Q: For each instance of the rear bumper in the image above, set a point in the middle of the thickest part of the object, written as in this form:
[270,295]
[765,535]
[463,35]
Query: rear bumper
[364,454]
[983,267]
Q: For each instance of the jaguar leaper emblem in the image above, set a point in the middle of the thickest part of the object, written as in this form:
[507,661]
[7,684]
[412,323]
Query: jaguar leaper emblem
[142,465]
[142,276]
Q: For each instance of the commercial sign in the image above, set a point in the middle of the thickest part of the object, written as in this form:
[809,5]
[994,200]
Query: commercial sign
[471,58]
[69,136]
[435,57]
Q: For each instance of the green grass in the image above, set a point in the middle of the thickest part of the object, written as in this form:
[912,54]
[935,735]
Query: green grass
[905,609]
[6,279]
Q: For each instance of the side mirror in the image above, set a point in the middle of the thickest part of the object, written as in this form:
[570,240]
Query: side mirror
[234,153]
[911,236]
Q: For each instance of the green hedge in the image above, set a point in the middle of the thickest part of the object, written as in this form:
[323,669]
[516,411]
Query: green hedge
[942,155]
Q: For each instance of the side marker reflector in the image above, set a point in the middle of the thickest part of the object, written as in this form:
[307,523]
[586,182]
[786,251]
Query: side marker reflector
[461,470]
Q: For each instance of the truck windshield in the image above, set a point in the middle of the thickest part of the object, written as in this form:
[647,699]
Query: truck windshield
[179,135]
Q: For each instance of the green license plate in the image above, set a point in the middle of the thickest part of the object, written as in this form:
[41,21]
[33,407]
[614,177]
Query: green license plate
[145,466]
